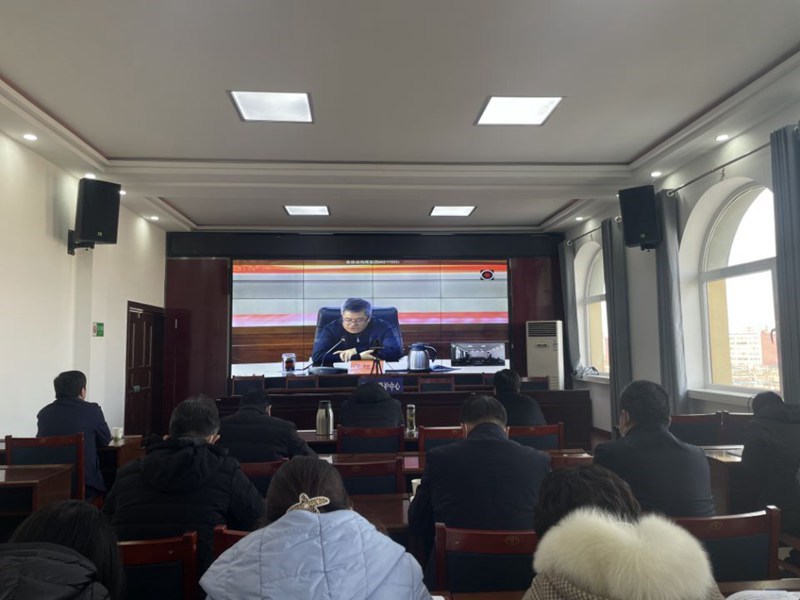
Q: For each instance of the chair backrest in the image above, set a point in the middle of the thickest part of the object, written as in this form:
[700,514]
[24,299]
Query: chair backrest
[55,450]
[741,547]
[260,474]
[241,384]
[734,426]
[433,437]
[534,384]
[326,314]
[369,440]
[162,568]
[385,477]
[471,560]
[436,384]
[224,538]
[542,437]
[700,430]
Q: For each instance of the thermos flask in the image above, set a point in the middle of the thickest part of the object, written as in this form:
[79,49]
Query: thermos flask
[325,418]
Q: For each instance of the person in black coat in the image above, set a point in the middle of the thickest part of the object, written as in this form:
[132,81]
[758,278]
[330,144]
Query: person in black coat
[522,410]
[484,481]
[771,457]
[184,484]
[71,414]
[253,435]
[666,475]
[370,405]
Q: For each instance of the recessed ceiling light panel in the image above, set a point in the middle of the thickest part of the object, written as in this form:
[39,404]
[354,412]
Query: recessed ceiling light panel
[723,137]
[656,174]
[452,211]
[297,211]
[90,176]
[505,110]
[30,137]
[285,107]
[153,218]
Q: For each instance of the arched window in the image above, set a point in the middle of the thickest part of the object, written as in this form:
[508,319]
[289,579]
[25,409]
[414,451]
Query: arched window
[595,316]
[737,277]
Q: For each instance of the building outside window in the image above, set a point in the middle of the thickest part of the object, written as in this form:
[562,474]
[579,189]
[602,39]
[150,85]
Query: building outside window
[738,294]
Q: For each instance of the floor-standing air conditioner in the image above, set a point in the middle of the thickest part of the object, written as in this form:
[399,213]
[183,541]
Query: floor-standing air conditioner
[545,358]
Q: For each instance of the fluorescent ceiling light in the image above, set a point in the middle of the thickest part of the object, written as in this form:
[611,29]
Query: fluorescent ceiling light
[452,211]
[122,192]
[503,110]
[30,137]
[273,106]
[90,176]
[307,210]
[655,174]
[579,219]
[153,218]
[724,137]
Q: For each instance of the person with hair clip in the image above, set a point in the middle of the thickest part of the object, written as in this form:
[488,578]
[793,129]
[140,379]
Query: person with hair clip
[64,551]
[314,547]
[595,545]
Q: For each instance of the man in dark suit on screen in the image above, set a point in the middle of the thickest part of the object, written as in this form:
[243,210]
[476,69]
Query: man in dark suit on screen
[666,475]
[484,481]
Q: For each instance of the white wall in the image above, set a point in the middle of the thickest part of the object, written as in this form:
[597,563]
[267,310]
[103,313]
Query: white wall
[50,299]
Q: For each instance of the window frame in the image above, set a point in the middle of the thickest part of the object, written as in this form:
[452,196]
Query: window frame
[587,301]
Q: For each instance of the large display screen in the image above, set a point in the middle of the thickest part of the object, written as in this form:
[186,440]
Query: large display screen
[276,303]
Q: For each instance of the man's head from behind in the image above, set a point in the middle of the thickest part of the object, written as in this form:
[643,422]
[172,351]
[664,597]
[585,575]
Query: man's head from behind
[257,398]
[70,384]
[643,403]
[196,418]
[506,381]
[764,401]
[478,409]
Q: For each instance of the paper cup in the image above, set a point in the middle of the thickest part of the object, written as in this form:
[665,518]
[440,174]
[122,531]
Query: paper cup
[414,485]
[117,433]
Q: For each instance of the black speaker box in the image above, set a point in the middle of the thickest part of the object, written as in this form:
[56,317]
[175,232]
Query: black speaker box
[639,217]
[98,211]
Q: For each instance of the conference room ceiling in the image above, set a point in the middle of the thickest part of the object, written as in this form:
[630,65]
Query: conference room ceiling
[138,93]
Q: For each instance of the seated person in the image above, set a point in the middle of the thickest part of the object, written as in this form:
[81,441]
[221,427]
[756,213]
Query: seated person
[352,336]
[484,481]
[65,550]
[314,547]
[186,483]
[253,435]
[666,475]
[771,457]
[522,410]
[370,405]
[71,414]
[595,546]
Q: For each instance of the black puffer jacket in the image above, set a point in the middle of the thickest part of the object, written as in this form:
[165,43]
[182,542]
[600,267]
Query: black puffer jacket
[47,572]
[183,484]
[251,435]
[772,457]
[371,406]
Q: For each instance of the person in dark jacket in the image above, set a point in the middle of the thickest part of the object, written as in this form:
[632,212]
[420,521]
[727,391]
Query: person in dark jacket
[184,484]
[484,481]
[771,457]
[522,410]
[370,405]
[254,435]
[71,414]
[66,550]
[666,475]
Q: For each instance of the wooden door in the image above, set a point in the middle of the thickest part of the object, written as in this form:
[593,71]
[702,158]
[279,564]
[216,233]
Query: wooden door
[143,369]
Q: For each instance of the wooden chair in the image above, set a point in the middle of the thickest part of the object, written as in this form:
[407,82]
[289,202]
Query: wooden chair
[534,384]
[471,560]
[162,568]
[369,440]
[433,437]
[542,437]
[700,430]
[55,450]
[224,538]
[741,547]
[241,384]
[260,474]
[436,384]
[733,427]
[385,477]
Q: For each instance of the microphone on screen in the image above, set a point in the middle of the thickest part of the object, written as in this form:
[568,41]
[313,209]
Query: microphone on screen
[332,348]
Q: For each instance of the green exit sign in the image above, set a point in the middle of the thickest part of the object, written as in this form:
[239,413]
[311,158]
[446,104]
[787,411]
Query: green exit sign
[98,329]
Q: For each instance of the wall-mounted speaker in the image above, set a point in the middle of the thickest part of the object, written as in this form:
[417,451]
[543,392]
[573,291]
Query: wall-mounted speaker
[639,217]
[98,211]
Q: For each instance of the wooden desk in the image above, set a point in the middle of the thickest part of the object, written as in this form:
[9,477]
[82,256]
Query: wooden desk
[733,492]
[731,587]
[24,489]
[411,461]
[489,595]
[326,444]
[117,454]
[388,512]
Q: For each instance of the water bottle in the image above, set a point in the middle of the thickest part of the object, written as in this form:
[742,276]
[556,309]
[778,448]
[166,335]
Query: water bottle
[411,418]
[325,418]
